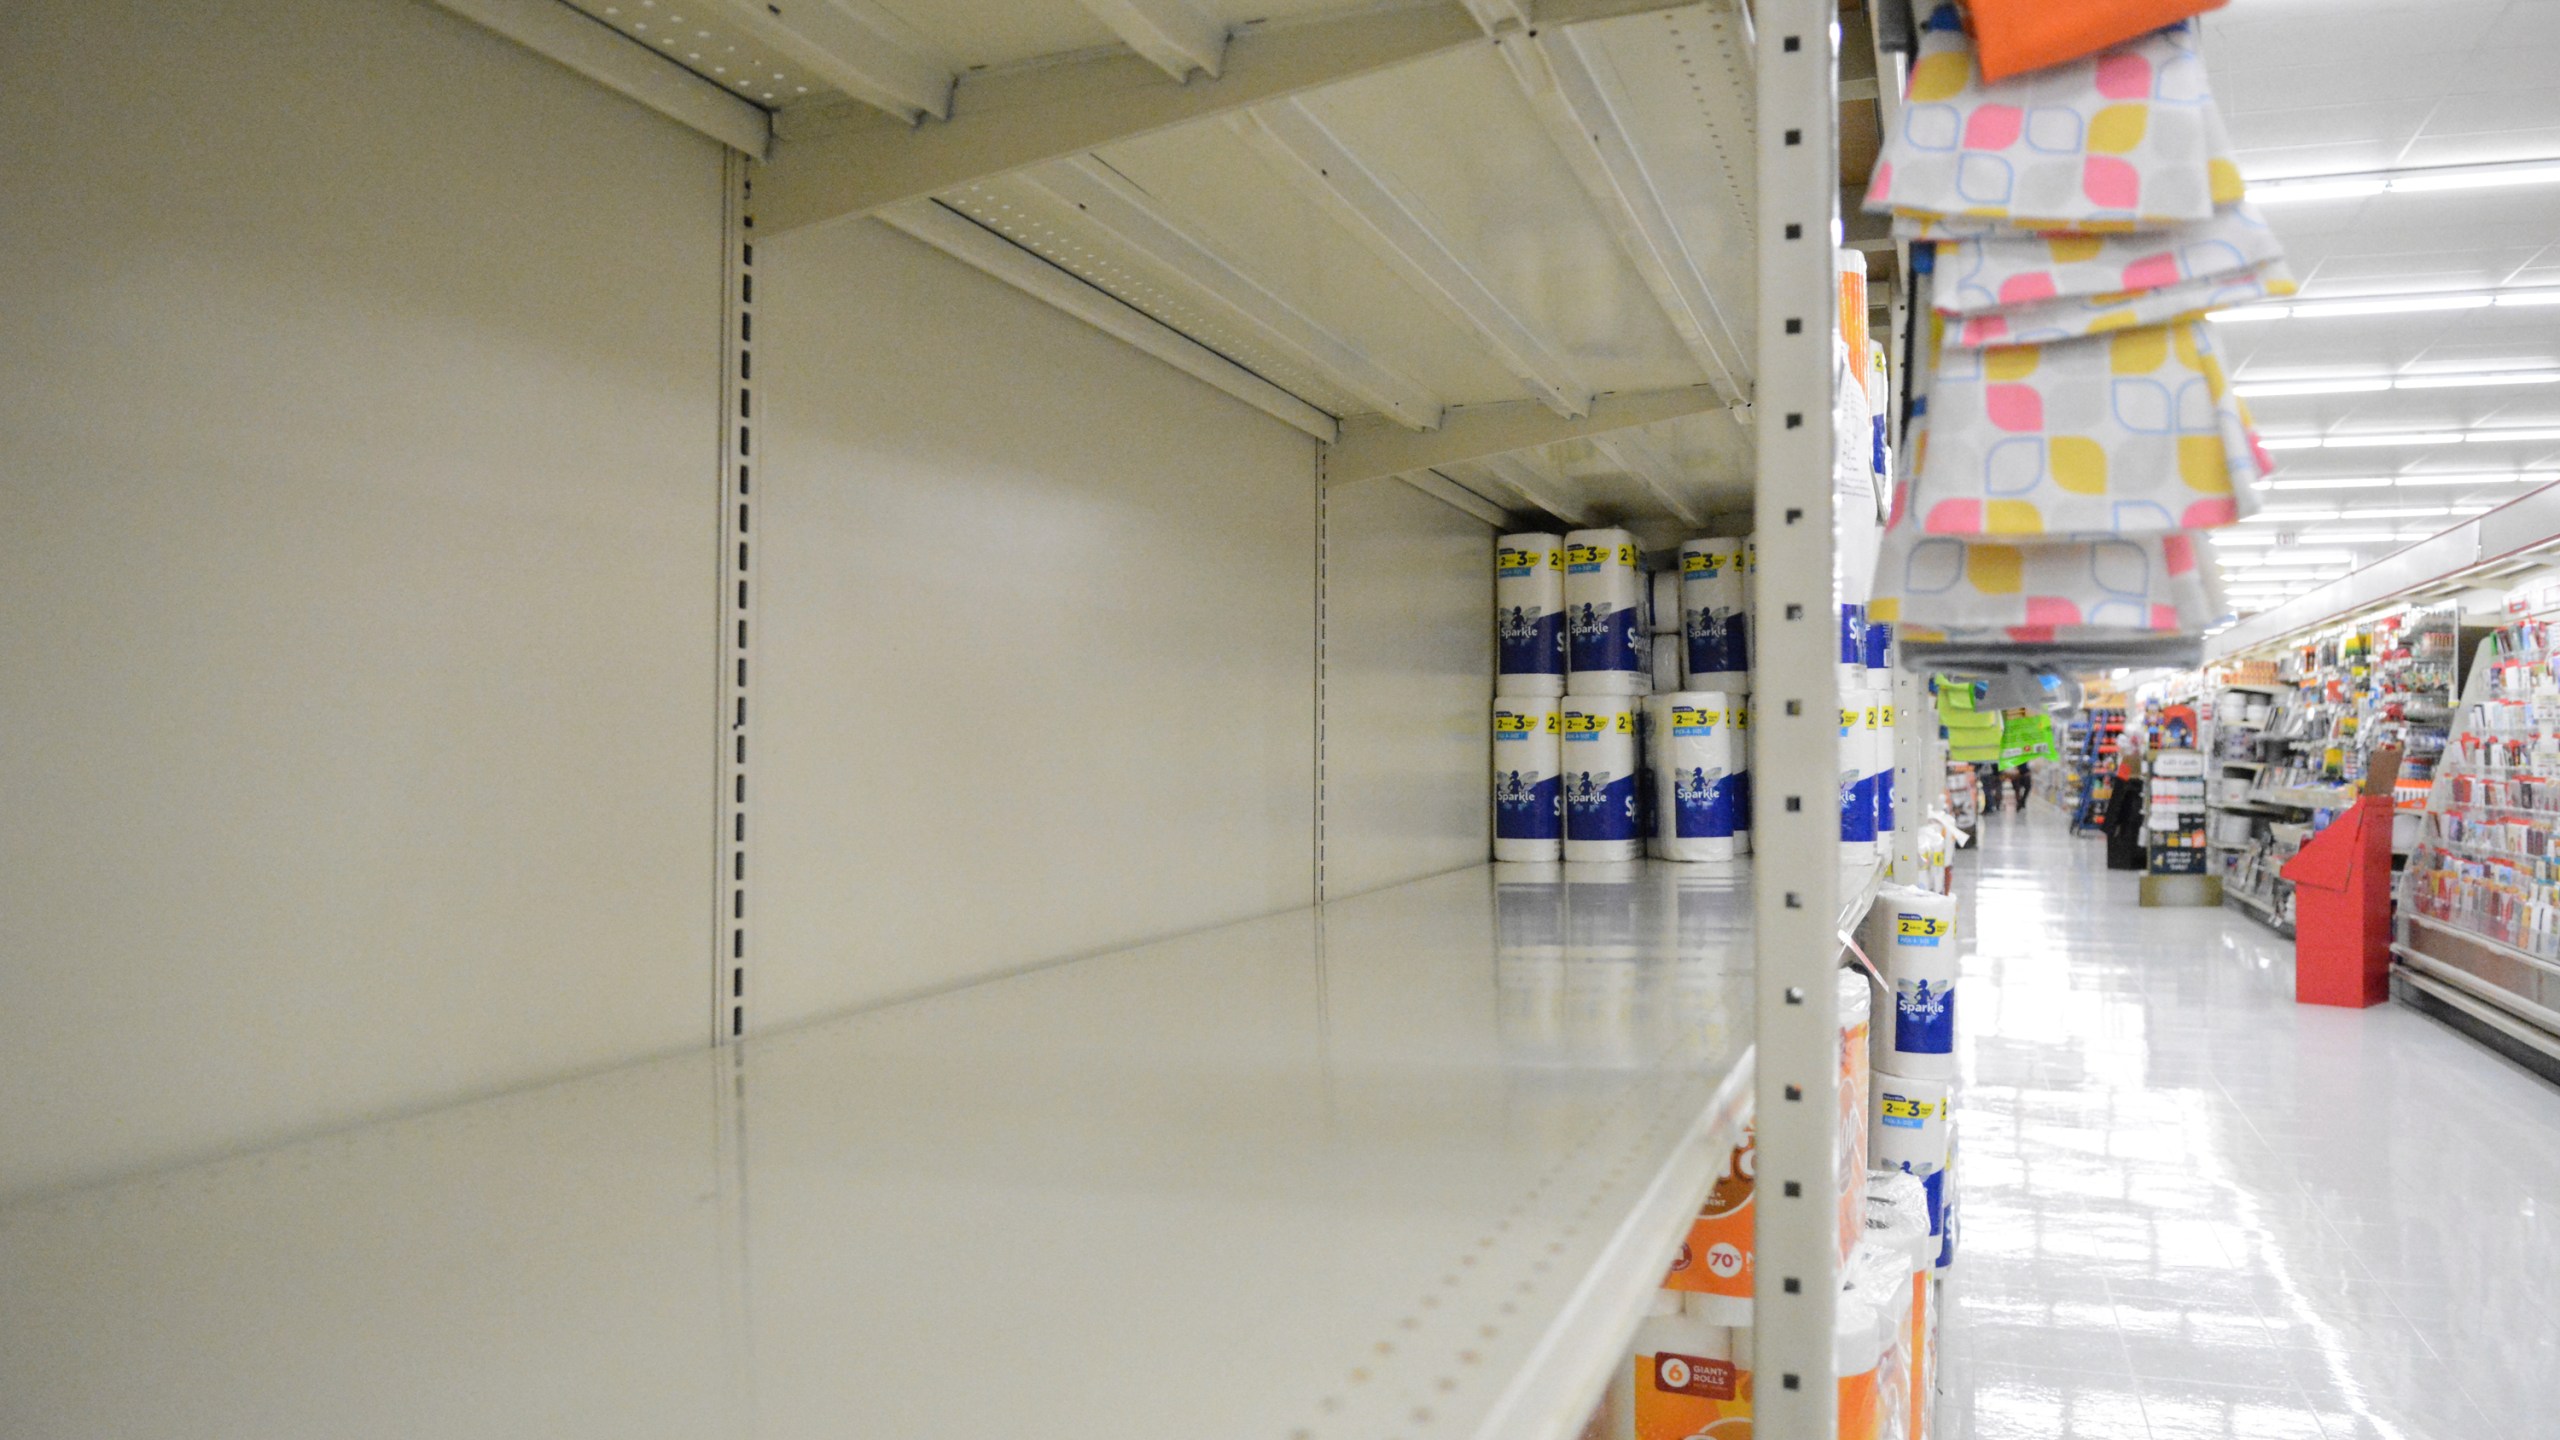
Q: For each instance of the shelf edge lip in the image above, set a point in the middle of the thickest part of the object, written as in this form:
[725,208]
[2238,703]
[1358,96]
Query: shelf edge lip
[1577,1350]
[2518,1012]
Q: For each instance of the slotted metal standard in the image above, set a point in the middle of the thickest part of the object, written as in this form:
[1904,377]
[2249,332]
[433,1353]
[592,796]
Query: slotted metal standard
[1796,827]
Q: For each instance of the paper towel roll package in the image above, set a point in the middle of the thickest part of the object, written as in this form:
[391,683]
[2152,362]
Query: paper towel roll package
[1740,712]
[1604,600]
[1857,805]
[1528,784]
[1857,802]
[1663,658]
[1697,775]
[1662,609]
[1920,964]
[1909,1132]
[1857,1010]
[1714,619]
[1528,603]
[1880,659]
[1600,778]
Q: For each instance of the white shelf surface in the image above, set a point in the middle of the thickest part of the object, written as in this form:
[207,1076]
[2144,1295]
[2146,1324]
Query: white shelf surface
[1404,1166]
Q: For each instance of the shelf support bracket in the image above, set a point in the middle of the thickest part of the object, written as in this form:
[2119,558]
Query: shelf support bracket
[1796,872]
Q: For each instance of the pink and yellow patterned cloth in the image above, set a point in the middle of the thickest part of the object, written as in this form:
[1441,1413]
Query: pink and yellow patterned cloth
[2132,433]
[2126,139]
[2076,429]
[2041,590]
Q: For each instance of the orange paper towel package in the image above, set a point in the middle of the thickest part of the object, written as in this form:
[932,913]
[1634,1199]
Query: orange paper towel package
[1716,1258]
[1692,1378]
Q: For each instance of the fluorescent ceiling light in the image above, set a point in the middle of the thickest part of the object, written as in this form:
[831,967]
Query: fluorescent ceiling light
[2420,481]
[2468,379]
[2369,384]
[2265,388]
[2389,305]
[2367,440]
[2288,555]
[2351,185]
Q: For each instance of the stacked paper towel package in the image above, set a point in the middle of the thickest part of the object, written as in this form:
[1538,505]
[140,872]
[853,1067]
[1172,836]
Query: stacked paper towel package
[1622,713]
[1691,1366]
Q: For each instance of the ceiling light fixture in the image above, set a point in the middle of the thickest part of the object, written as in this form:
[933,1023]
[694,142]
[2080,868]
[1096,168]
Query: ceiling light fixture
[2389,305]
[2357,184]
[2419,481]
[2367,385]
[2366,440]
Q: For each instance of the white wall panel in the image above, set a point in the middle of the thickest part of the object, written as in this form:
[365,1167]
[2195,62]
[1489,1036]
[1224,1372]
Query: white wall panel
[1036,672]
[1409,657]
[358,382]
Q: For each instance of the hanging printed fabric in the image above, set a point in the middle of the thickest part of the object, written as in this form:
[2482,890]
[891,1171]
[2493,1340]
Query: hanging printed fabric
[2120,140]
[2123,434]
[2072,318]
[2009,270]
[1941,587]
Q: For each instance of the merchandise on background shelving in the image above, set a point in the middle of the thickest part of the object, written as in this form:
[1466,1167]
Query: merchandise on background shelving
[2291,732]
[2485,862]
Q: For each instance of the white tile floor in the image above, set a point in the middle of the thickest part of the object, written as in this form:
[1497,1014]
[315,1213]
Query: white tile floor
[2192,1208]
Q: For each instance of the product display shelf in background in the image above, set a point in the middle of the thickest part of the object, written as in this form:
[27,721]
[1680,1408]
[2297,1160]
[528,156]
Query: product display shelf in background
[2248,833]
[2093,764]
[2291,730]
[2173,826]
[2480,900]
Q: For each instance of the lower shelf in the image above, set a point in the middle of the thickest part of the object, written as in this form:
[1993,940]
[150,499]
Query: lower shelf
[2259,907]
[1408,1164]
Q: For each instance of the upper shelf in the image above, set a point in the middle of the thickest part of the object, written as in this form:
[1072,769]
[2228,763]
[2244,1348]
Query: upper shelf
[1405,1165]
[1500,248]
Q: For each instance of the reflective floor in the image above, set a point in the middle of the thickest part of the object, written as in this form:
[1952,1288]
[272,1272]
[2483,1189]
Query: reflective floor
[2192,1208]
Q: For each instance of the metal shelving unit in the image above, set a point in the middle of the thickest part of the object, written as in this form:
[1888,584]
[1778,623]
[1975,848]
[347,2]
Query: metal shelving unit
[1402,1164]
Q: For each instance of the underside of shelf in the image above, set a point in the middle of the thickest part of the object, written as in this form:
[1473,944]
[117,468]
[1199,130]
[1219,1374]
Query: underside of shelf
[1403,1165]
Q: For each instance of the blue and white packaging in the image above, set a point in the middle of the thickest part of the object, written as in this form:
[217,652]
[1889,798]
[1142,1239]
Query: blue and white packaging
[1528,604]
[1908,1131]
[1920,964]
[1715,618]
[1697,775]
[1528,781]
[1604,603]
[1743,742]
[1599,766]
[1879,660]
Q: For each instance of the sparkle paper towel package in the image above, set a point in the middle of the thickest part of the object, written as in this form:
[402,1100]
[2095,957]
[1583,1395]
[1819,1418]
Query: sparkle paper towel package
[1604,602]
[1528,784]
[1740,714]
[1910,1133]
[1600,803]
[1528,602]
[1714,614]
[1880,661]
[1920,964]
[1662,611]
[1697,775]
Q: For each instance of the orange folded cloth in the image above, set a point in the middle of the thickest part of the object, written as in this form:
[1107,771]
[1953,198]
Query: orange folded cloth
[2015,36]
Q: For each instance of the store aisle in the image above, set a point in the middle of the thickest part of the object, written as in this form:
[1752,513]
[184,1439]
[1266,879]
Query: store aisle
[2191,1208]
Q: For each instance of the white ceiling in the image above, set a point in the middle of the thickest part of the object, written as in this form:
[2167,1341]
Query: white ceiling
[2315,87]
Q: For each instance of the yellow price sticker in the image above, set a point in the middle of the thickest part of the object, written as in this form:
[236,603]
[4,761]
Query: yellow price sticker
[1897,1108]
[1514,724]
[1578,723]
[1922,925]
[1685,715]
